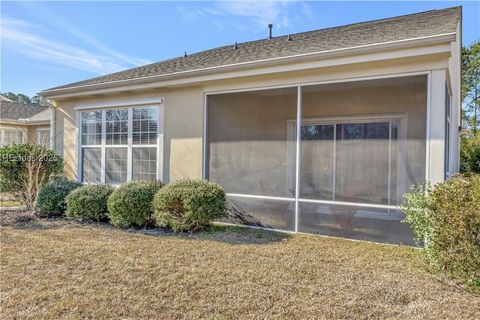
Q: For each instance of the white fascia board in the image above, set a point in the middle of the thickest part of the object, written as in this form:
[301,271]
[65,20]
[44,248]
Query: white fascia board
[116,103]
[423,46]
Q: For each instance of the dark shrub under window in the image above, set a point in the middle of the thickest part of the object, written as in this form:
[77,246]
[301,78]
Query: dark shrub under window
[51,198]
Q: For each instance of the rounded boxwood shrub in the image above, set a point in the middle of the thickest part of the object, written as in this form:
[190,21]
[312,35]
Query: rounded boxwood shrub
[189,205]
[51,198]
[130,205]
[89,203]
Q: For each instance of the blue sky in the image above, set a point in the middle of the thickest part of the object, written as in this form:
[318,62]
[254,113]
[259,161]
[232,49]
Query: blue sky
[45,44]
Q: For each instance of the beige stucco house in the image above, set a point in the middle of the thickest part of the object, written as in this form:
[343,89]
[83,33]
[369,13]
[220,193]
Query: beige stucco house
[317,132]
[24,123]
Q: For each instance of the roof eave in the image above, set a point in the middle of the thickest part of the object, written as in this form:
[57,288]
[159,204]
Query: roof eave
[24,122]
[391,45]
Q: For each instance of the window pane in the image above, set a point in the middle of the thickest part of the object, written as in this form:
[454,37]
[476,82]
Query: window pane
[317,148]
[144,163]
[362,162]
[91,127]
[13,136]
[91,165]
[117,126]
[43,137]
[145,122]
[115,165]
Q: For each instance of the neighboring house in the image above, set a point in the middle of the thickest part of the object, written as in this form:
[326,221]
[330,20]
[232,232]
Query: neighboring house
[318,132]
[22,123]
[3,98]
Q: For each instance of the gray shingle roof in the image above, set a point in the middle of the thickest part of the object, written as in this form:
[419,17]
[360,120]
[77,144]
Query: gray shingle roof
[429,23]
[17,111]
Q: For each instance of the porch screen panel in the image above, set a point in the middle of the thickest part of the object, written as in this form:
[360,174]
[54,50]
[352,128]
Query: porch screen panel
[376,153]
[251,153]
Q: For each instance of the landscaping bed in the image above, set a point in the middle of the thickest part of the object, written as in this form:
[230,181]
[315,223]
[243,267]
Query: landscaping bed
[54,268]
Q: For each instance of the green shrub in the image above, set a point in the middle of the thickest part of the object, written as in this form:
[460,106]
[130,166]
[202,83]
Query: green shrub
[130,205]
[470,155]
[89,203]
[51,198]
[447,221]
[25,168]
[189,205]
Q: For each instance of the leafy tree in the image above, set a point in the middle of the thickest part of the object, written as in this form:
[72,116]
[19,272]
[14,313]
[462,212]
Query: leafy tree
[10,95]
[21,98]
[471,85]
[35,99]
[25,168]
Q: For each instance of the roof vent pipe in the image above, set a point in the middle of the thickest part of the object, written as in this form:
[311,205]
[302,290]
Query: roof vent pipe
[289,38]
[185,54]
[235,46]
[270,26]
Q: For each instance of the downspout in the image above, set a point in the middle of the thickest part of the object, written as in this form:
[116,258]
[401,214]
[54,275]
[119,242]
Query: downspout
[53,114]
[53,117]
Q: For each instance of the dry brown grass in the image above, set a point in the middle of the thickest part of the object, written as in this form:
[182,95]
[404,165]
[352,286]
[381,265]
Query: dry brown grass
[67,270]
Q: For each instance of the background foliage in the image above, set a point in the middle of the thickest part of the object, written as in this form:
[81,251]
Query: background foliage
[25,168]
[471,86]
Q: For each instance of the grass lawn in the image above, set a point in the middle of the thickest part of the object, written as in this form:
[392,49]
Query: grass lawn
[10,203]
[52,269]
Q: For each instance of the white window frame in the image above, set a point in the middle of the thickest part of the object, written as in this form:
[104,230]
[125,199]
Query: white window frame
[2,134]
[400,118]
[37,136]
[103,146]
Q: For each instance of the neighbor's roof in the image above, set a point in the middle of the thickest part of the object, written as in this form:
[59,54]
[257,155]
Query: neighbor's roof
[3,98]
[26,112]
[418,25]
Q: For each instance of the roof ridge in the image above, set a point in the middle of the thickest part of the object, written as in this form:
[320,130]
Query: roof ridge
[433,22]
[321,29]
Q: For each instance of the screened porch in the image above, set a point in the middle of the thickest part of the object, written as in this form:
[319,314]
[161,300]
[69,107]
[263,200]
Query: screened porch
[333,159]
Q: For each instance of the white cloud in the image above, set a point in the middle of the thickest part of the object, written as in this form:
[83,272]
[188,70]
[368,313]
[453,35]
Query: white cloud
[58,23]
[40,48]
[261,12]
[257,13]
[26,39]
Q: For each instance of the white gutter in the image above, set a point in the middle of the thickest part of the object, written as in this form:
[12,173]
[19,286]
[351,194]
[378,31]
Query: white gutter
[420,41]
[23,122]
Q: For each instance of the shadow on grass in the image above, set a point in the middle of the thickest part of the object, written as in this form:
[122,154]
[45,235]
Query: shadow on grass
[220,233]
